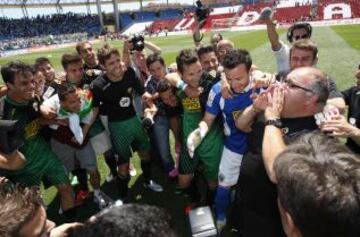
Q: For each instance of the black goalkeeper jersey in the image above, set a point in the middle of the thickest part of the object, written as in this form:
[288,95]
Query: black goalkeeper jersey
[116,97]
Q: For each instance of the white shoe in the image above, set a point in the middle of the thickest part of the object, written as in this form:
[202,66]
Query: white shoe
[109,178]
[98,199]
[132,170]
[154,186]
[220,224]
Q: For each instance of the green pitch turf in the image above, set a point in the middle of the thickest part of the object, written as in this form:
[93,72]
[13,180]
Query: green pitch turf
[339,55]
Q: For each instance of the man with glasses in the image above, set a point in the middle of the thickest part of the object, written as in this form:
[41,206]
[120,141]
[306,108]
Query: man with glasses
[297,31]
[289,110]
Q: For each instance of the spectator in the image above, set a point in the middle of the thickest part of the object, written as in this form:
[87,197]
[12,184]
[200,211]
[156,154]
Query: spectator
[129,220]
[282,51]
[308,207]
[22,215]
[338,126]
[305,93]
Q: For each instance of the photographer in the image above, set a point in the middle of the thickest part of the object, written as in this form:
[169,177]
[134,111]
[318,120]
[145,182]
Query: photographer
[134,56]
[10,157]
[297,31]
[201,14]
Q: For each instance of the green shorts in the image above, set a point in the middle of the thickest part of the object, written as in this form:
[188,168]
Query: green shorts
[128,134]
[208,153]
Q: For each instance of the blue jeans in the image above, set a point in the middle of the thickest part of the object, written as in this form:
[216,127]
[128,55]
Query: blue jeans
[159,135]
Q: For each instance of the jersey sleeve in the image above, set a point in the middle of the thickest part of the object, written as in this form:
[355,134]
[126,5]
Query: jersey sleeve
[333,91]
[96,92]
[213,101]
[347,95]
[87,119]
[135,81]
[282,57]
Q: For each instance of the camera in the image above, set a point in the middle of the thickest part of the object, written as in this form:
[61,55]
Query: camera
[9,136]
[201,12]
[138,42]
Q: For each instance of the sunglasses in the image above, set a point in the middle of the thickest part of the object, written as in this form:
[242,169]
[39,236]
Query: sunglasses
[297,37]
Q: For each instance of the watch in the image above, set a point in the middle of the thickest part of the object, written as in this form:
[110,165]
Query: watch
[275,122]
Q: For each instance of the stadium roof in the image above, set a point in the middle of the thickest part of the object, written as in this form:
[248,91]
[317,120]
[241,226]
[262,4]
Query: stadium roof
[48,3]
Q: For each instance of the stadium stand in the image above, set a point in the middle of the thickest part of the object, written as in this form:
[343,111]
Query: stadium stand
[292,14]
[160,25]
[335,9]
[49,25]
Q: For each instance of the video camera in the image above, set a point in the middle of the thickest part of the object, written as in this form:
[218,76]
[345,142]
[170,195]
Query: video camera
[201,12]
[9,141]
[138,42]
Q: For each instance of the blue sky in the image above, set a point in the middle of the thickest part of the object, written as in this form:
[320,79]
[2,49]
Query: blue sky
[17,13]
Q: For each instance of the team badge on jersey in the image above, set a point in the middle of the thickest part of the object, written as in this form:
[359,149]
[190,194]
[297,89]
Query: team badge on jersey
[48,93]
[125,102]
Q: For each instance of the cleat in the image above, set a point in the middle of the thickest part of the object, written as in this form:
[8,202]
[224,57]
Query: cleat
[99,199]
[109,178]
[81,196]
[132,170]
[154,186]
[173,173]
[220,224]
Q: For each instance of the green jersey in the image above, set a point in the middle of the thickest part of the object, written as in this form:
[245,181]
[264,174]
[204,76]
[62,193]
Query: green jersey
[210,149]
[40,160]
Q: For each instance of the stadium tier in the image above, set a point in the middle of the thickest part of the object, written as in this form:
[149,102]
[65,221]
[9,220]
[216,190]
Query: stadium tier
[338,9]
[160,25]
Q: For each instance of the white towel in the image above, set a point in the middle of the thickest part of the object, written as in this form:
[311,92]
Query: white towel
[74,124]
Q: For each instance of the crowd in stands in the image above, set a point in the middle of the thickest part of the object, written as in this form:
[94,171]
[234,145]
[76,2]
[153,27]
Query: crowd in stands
[46,30]
[33,42]
[57,24]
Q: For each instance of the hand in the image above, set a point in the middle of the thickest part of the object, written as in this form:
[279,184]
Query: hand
[193,93]
[260,101]
[266,15]
[127,46]
[146,97]
[338,126]
[195,137]
[47,112]
[226,91]
[62,230]
[262,79]
[276,103]
[62,122]
[3,181]
[193,141]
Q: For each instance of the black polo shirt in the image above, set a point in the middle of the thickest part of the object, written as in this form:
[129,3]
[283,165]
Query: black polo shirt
[352,99]
[116,97]
[260,214]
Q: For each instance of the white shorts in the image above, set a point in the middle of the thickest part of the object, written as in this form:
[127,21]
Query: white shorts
[229,169]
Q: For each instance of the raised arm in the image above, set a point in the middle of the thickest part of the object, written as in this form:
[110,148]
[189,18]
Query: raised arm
[273,141]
